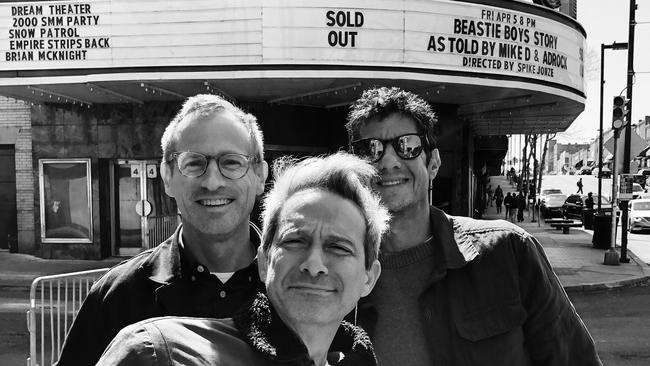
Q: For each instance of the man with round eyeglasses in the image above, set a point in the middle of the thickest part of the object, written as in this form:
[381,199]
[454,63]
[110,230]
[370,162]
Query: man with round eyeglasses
[453,290]
[213,166]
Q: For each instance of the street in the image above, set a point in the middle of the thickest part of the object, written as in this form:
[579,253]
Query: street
[619,321]
[567,183]
[639,243]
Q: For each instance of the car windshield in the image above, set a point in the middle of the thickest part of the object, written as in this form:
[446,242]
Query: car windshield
[551,191]
[556,197]
[638,206]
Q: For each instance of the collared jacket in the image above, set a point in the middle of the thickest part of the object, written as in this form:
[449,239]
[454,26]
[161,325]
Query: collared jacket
[493,299]
[157,282]
[254,336]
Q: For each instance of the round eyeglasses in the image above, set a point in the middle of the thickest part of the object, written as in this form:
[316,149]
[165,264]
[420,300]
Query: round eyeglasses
[408,146]
[232,166]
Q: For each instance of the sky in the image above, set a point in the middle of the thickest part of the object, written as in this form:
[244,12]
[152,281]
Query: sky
[606,21]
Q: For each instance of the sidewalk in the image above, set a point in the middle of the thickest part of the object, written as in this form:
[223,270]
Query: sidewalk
[17,271]
[578,265]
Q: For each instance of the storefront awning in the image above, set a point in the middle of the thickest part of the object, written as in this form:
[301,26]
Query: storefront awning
[578,164]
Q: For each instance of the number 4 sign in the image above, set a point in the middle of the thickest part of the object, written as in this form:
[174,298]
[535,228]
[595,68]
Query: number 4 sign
[135,170]
[152,170]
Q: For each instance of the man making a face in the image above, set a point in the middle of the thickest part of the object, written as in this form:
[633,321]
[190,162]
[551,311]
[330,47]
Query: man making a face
[322,227]
[213,167]
[454,291]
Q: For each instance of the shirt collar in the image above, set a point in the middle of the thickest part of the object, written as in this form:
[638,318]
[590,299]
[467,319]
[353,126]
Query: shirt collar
[166,261]
[196,269]
[451,250]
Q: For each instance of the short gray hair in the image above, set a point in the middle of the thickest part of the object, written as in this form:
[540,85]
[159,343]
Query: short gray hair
[203,106]
[343,174]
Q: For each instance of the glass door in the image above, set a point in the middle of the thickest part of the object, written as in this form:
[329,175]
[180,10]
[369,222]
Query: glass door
[145,215]
[128,196]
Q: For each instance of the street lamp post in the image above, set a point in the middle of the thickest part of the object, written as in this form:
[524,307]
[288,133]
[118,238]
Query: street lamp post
[603,47]
[628,127]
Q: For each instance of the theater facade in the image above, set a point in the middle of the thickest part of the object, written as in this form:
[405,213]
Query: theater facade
[88,87]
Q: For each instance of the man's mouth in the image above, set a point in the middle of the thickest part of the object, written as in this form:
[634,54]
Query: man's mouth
[391,182]
[312,288]
[215,202]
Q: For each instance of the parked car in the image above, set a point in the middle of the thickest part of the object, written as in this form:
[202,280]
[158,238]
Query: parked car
[586,171]
[546,191]
[551,206]
[573,205]
[637,191]
[639,215]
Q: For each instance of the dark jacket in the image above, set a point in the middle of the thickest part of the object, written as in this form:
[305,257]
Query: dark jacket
[255,336]
[521,202]
[493,299]
[157,282]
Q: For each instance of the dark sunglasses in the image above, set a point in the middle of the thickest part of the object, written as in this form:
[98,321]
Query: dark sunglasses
[408,146]
[232,166]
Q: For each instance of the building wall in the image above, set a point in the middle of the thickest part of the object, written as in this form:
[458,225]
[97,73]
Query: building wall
[15,128]
[570,8]
[99,132]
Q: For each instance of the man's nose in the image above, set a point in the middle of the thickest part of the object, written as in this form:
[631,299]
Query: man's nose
[390,160]
[212,178]
[314,262]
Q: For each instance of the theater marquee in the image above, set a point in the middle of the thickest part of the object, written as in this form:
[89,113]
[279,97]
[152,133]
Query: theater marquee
[439,36]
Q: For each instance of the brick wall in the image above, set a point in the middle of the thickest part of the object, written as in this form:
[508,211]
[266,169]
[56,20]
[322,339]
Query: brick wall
[16,114]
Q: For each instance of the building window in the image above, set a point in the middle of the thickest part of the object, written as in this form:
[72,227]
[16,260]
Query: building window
[66,214]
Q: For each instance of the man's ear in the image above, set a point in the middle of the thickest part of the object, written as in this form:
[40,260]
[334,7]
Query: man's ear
[262,262]
[434,164]
[166,175]
[262,173]
[372,275]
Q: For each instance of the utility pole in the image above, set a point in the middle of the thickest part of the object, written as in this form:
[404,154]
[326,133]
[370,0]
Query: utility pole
[628,127]
[603,47]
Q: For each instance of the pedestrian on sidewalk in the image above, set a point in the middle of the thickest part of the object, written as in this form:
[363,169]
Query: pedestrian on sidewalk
[213,165]
[508,202]
[490,194]
[499,199]
[589,201]
[521,205]
[459,291]
[579,184]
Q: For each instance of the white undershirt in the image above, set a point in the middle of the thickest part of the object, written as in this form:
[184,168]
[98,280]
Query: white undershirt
[223,276]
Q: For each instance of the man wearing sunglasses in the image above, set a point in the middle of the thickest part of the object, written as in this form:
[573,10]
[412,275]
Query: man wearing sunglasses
[453,290]
[213,166]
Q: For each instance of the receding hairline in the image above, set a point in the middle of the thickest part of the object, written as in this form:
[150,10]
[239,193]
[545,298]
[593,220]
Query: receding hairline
[193,118]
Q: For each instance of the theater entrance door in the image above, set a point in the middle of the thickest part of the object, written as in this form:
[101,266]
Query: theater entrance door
[144,215]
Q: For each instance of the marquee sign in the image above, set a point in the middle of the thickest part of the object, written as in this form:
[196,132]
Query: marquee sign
[431,35]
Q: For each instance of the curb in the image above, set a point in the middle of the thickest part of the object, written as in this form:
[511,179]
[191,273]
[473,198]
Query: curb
[605,286]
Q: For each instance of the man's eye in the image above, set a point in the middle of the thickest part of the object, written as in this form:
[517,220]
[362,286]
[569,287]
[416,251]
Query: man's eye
[341,249]
[292,243]
[193,163]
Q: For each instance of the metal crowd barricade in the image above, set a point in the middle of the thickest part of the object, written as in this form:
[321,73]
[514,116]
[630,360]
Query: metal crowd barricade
[160,228]
[54,302]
